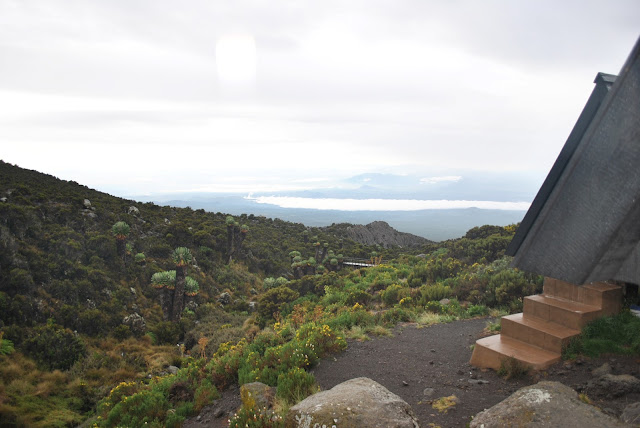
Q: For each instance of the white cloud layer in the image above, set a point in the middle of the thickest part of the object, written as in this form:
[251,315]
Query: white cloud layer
[384,204]
[441,179]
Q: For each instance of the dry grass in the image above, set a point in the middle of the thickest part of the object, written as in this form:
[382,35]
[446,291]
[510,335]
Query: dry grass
[428,318]
[379,330]
[356,333]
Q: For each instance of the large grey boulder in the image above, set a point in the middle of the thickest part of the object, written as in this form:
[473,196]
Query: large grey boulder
[613,386]
[359,402]
[545,404]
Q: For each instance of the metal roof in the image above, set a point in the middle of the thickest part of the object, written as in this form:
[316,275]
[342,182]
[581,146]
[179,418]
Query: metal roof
[584,223]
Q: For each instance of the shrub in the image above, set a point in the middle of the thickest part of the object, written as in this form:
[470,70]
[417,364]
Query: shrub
[391,295]
[256,418]
[6,346]
[396,315]
[433,306]
[295,385]
[122,332]
[270,302]
[54,347]
[358,296]
[167,332]
[204,395]
[434,292]
[144,408]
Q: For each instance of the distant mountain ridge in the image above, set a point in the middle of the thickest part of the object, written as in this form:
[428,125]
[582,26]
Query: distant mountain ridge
[380,233]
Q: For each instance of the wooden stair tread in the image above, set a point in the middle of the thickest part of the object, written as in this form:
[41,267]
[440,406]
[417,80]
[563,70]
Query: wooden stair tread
[547,327]
[601,286]
[521,351]
[561,303]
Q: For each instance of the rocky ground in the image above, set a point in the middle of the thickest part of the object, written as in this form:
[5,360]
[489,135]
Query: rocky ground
[423,364]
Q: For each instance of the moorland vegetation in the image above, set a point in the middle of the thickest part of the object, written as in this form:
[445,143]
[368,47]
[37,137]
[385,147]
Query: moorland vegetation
[127,314]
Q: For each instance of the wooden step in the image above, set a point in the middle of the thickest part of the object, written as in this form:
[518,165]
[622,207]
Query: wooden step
[538,332]
[560,311]
[601,294]
[489,352]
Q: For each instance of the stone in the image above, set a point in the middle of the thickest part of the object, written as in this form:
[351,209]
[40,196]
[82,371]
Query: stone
[613,386]
[359,402]
[133,210]
[136,323]
[445,302]
[257,394]
[602,370]
[3,199]
[545,404]
[172,369]
[428,392]
[224,298]
[87,204]
[631,414]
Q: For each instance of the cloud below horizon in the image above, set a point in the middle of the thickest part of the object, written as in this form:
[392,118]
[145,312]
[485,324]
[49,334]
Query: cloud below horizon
[384,204]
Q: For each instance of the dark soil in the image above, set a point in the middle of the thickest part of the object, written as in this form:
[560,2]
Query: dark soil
[437,357]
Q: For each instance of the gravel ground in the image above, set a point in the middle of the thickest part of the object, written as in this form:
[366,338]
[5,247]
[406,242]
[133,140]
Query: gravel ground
[423,364]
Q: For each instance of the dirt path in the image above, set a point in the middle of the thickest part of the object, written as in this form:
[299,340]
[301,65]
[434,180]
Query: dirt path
[415,359]
[437,357]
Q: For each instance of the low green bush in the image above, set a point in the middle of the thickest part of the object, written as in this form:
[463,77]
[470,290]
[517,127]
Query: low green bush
[295,385]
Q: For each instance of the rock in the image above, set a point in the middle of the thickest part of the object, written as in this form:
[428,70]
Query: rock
[478,381]
[257,394]
[3,199]
[602,370]
[445,302]
[428,392]
[87,204]
[631,414]
[359,402]
[224,298]
[136,323]
[166,221]
[89,213]
[545,404]
[172,369]
[133,210]
[613,386]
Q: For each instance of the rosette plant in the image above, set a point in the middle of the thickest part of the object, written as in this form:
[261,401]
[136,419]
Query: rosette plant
[165,281]
[191,287]
[121,230]
[182,258]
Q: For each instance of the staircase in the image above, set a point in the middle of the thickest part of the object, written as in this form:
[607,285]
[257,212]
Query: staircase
[549,320]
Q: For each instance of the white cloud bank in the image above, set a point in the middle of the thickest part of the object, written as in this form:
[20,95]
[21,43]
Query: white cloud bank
[384,204]
[441,179]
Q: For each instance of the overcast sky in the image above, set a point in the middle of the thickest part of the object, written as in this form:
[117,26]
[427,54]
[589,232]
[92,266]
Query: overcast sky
[136,97]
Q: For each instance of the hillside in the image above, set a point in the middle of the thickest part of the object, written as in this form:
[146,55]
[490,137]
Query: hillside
[96,291]
[378,233]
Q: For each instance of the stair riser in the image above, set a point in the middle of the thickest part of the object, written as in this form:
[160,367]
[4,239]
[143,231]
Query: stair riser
[530,335]
[596,294]
[568,318]
[489,358]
